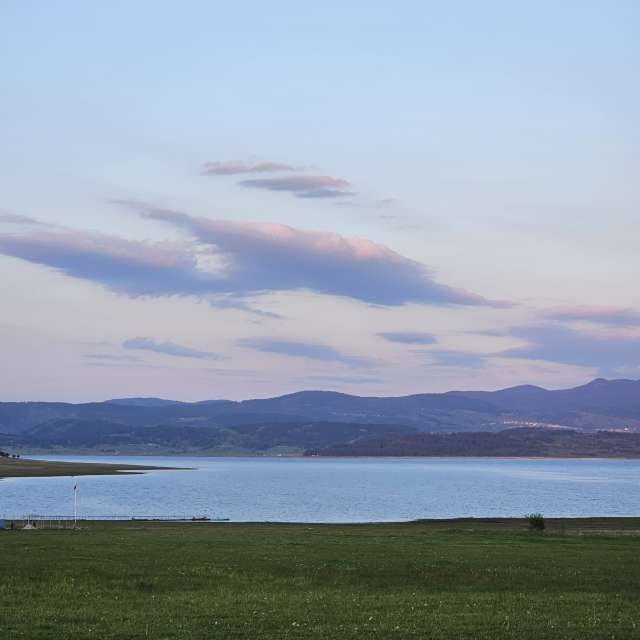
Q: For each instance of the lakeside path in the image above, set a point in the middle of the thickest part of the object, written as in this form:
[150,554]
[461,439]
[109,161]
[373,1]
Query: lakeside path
[464,579]
[25,468]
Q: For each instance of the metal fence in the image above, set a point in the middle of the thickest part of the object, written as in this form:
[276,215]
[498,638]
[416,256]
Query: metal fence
[36,519]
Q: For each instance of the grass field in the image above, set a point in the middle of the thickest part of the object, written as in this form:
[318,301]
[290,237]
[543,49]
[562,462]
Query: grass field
[455,579]
[24,468]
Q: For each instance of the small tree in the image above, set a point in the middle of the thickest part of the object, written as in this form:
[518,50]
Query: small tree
[536,521]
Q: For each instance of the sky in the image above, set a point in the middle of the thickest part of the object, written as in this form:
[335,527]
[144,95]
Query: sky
[205,200]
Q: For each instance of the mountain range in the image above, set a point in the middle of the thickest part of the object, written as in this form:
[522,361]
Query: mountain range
[309,420]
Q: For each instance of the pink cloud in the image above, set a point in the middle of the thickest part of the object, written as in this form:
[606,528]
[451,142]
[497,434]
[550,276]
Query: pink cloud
[236,168]
[248,259]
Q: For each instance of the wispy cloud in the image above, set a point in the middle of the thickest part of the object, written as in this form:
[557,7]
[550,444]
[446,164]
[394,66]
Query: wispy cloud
[608,352]
[310,350]
[272,257]
[169,349]
[456,359]
[14,218]
[617,316]
[409,337]
[238,168]
[233,302]
[339,380]
[249,259]
[126,266]
[303,186]
[101,357]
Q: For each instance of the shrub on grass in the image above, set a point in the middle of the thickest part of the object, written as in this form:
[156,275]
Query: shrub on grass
[144,585]
[536,521]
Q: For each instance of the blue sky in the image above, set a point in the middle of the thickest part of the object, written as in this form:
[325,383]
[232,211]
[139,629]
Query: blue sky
[211,200]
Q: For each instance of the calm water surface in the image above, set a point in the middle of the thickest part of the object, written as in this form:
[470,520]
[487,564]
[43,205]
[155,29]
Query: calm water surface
[336,490]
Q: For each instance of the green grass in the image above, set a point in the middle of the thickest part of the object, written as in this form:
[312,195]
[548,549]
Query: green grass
[457,579]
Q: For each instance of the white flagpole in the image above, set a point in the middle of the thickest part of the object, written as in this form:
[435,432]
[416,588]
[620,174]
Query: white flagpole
[75,503]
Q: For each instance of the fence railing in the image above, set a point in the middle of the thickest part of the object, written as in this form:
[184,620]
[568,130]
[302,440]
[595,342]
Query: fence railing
[36,517]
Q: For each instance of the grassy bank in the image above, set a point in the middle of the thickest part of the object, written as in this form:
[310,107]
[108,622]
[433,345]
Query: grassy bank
[456,579]
[24,468]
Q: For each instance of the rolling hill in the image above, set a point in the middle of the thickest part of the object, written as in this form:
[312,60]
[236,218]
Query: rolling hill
[523,442]
[102,436]
[310,419]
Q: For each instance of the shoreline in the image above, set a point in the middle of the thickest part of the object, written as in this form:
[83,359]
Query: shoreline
[304,457]
[33,468]
[489,521]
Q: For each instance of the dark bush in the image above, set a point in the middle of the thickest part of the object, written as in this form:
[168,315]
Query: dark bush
[536,521]
[144,585]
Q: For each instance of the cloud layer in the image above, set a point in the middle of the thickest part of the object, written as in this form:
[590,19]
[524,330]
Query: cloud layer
[600,315]
[264,257]
[609,352]
[409,338]
[456,359]
[14,218]
[239,260]
[125,266]
[303,186]
[310,350]
[239,168]
[102,357]
[169,349]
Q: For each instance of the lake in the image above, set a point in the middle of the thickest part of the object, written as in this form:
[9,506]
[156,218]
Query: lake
[336,490]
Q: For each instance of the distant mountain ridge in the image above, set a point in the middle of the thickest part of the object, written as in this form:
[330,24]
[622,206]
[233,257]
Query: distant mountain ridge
[600,397]
[600,404]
